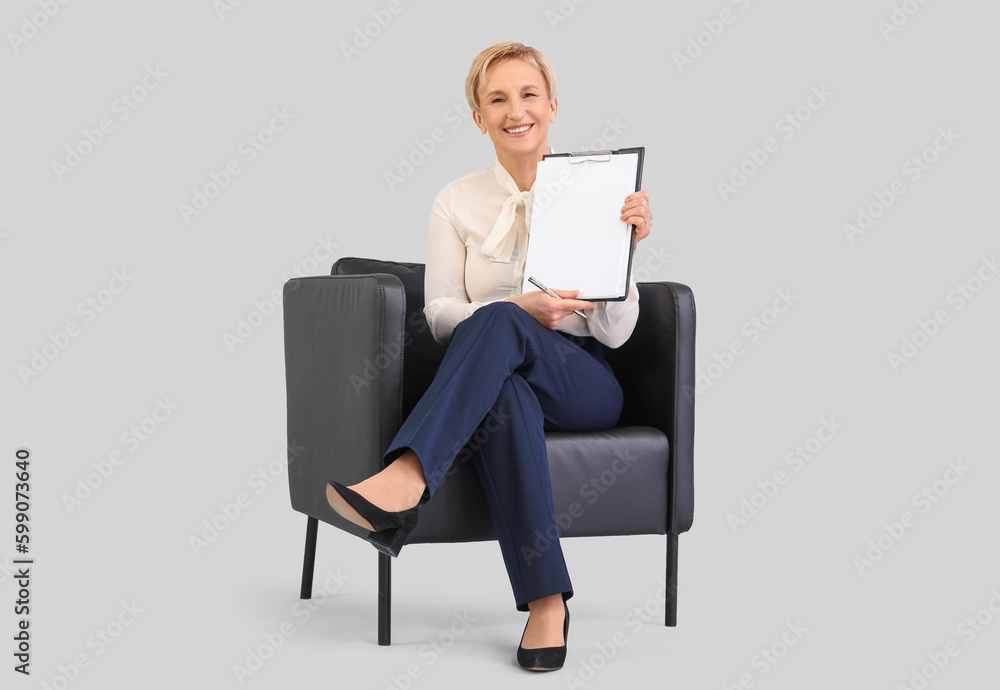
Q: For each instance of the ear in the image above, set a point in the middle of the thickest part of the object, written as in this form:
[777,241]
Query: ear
[478,118]
[553,108]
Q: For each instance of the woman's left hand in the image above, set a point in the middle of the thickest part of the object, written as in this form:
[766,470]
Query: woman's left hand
[636,212]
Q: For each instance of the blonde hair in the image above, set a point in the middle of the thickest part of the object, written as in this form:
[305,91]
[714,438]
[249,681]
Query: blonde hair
[500,53]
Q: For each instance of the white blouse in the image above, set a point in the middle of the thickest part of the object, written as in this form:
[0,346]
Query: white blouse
[476,246]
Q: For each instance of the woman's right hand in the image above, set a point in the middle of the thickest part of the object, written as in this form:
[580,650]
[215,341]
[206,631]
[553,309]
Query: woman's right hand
[548,310]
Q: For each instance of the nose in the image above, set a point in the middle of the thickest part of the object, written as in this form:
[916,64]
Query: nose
[516,111]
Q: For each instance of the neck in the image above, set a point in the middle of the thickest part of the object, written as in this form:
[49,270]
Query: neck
[523,168]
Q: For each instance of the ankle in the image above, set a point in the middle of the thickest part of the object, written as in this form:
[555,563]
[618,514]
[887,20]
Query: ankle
[546,606]
[393,488]
[409,464]
[411,474]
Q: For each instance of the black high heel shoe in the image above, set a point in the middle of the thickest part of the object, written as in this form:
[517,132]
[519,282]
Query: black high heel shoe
[544,658]
[388,530]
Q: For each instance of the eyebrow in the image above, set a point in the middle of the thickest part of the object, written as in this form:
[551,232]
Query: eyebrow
[526,87]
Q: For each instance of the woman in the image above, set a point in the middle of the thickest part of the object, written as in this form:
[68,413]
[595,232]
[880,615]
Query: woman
[510,355]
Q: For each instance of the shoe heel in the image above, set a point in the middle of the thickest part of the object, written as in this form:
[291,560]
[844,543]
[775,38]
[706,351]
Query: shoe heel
[389,541]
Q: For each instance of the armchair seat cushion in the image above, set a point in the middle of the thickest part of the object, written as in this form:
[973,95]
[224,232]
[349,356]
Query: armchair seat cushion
[599,478]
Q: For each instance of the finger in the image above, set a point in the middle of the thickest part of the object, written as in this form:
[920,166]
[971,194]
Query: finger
[637,199]
[635,205]
[570,305]
[640,222]
[642,229]
[637,210]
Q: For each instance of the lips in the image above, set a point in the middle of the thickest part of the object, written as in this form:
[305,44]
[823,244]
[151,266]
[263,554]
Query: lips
[519,130]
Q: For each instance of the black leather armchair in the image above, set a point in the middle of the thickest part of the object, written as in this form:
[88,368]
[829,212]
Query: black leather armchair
[358,356]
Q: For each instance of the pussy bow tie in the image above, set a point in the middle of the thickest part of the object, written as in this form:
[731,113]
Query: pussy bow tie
[499,244]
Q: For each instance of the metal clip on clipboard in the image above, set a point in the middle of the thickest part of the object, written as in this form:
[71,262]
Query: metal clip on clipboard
[584,156]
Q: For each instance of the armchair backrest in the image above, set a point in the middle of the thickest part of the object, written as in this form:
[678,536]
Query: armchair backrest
[422,354]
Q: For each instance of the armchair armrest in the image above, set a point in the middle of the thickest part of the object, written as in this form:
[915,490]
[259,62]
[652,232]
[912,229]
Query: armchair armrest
[343,376]
[656,368]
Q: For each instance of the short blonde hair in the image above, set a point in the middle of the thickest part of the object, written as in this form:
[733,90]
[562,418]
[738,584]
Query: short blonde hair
[499,53]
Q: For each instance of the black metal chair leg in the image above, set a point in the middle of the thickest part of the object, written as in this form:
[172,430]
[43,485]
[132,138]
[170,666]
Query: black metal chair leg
[309,560]
[671,581]
[384,599]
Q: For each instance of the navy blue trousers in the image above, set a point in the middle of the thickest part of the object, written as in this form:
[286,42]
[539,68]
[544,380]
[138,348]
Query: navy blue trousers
[504,380]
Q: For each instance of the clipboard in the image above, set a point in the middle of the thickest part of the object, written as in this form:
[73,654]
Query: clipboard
[576,240]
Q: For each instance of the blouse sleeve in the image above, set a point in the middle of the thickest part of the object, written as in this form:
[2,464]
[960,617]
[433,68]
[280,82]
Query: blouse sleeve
[446,302]
[611,323]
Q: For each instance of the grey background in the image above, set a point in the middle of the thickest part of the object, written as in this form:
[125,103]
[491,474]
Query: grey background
[322,179]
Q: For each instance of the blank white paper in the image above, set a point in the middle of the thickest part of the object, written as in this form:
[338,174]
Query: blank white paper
[576,240]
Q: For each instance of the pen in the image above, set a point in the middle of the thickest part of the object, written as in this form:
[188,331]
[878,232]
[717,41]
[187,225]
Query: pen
[549,292]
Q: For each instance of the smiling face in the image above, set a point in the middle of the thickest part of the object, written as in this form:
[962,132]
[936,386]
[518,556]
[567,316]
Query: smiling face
[515,110]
